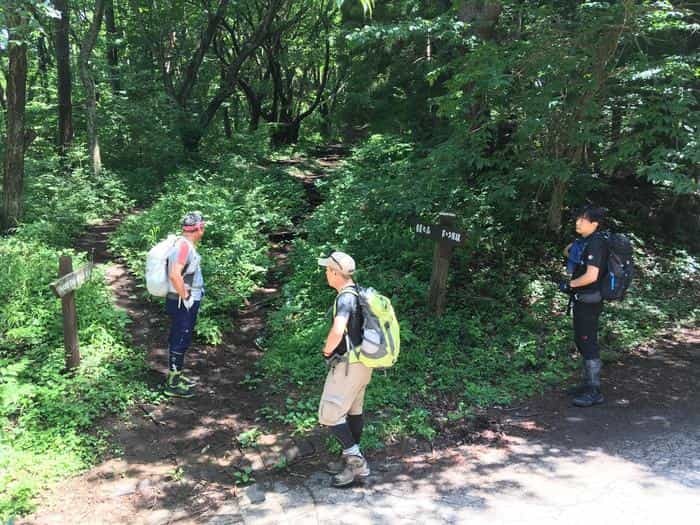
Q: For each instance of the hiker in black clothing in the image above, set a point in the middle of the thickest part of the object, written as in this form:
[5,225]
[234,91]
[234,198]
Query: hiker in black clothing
[584,288]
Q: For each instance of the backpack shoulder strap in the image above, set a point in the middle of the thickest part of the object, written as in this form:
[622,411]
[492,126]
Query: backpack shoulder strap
[349,289]
[352,289]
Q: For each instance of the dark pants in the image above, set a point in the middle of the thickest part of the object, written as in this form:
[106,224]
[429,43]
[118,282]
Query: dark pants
[182,323]
[586,317]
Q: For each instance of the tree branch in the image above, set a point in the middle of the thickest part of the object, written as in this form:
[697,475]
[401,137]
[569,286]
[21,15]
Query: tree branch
[195,62]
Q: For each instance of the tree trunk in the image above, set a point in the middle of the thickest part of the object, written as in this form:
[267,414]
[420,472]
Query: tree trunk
[13,176]
[482,15]
[112,53]
[89,87]
[44,62]
[556,204]
[254,104]
[65,104]
[326,124]
[227,124]
[616,124]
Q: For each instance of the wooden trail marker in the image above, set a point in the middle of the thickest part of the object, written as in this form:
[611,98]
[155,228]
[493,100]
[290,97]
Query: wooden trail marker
[64,288]
[447,237]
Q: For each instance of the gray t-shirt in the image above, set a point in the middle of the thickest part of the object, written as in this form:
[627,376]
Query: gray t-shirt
[348,306]
[184,252]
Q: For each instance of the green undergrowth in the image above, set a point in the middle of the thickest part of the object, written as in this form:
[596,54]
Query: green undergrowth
[241,203]
[58,206]
[47,416]
[504,334]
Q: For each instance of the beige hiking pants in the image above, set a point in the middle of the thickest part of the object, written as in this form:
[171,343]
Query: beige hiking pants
[343,393]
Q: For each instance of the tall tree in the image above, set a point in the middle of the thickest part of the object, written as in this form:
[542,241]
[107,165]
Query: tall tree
[88,82]
[13,175]
[65,103]
[43,63]
[573,127]
[112,53]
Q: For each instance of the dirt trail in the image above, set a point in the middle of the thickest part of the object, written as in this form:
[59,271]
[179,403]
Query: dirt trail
[183,453]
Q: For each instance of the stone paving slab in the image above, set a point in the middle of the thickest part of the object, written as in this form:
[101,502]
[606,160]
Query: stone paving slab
[649,481]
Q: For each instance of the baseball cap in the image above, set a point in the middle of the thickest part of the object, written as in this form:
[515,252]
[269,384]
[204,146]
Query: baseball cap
[340,262]
[192,221]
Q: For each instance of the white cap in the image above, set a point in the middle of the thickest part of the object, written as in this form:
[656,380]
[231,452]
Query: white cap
[340,262]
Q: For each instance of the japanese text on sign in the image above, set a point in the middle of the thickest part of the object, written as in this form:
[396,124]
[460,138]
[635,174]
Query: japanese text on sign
[72,281]
[423,229]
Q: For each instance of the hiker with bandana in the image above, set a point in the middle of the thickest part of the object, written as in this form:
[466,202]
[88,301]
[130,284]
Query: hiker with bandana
[185,292]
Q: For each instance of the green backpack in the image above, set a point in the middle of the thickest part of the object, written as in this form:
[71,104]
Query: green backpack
[381,340]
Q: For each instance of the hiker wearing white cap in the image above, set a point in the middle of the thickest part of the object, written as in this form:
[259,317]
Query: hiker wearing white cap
[343,395]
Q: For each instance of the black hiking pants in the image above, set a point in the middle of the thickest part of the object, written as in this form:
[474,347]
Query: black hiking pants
[586,317]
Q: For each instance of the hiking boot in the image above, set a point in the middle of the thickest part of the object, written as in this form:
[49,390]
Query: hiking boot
[176,386]
[579,389]
[356,468]
[592,395]
[335,467]
[188,380]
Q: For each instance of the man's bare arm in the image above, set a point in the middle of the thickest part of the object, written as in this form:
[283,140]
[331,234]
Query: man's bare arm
[178,281]
[587,278]
[335,335]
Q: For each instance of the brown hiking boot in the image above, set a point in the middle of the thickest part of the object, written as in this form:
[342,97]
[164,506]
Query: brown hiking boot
[356,468]
[335,467]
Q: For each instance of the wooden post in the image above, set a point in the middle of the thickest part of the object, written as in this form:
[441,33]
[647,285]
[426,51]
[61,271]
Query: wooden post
[441,264]
[70,317]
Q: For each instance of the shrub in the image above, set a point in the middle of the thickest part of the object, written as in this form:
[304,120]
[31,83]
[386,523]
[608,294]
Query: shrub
[59,206]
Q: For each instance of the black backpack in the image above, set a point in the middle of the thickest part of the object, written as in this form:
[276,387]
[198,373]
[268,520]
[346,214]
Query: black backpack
[620,271]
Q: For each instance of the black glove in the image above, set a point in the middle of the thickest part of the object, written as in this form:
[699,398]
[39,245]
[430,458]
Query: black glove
[565,287]
[333,360]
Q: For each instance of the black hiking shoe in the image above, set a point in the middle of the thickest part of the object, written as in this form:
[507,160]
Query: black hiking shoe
[188,380]
[590,397]
[176,386]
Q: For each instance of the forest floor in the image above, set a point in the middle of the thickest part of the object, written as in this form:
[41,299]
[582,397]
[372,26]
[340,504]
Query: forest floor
[634,459]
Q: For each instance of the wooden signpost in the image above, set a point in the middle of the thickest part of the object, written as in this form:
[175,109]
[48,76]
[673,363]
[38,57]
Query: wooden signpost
[447,236]
[64,288]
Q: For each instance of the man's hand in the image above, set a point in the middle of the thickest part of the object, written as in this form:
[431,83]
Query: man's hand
[565,287]
[188,302]
[327,352]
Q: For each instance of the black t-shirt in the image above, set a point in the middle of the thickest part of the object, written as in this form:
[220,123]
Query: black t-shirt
[594,253]
[348,306]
